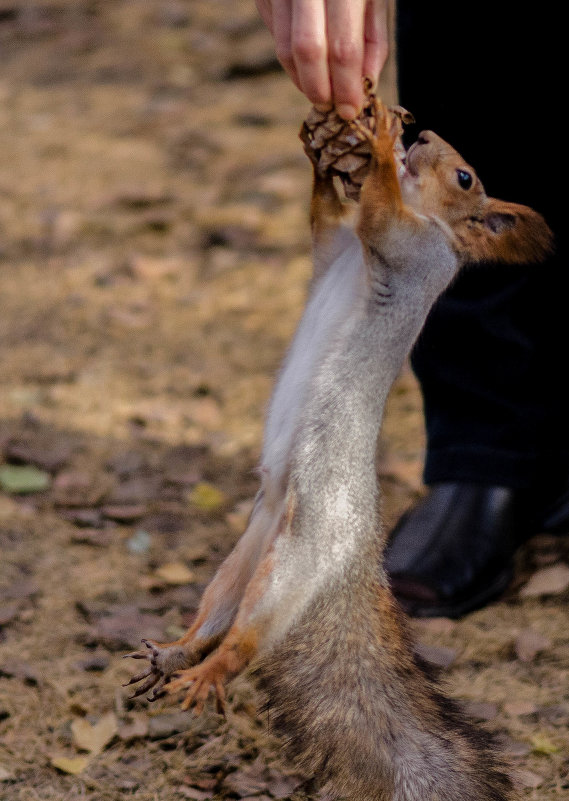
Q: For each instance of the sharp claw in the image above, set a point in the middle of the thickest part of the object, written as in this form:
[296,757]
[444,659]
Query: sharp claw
[146,686]
[156,694]
[139,677]
[135,655]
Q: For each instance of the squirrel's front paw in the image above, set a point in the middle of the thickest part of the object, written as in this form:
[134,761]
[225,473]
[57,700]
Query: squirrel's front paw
[165,659]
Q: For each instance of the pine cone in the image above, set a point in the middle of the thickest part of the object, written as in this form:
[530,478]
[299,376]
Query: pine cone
[336,147]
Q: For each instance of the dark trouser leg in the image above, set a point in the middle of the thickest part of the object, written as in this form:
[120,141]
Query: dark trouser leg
[491,358]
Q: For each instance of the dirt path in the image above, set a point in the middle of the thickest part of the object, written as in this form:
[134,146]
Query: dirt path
[153,262]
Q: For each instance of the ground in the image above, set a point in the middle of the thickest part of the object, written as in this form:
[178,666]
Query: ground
[154,254]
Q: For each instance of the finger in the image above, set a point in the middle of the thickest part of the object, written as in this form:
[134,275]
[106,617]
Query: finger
[281,22]
[265,12]
[346,49]
[310,50]
[376,39]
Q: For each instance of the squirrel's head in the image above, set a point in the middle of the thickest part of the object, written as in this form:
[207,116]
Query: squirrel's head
[437,182]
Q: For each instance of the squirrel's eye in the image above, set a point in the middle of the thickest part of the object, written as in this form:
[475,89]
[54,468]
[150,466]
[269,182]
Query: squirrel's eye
[464,179]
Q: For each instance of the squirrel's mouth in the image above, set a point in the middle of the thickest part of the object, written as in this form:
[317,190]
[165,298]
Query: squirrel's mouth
[400,155]
[409,161]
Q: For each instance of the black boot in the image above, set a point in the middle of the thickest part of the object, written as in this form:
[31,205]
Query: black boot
[555,516]
[453,552]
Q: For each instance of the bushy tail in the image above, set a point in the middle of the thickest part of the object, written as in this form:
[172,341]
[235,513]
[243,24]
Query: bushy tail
[362,714]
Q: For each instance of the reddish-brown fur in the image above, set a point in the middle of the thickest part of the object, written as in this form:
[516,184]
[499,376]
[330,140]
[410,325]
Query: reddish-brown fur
[304,593]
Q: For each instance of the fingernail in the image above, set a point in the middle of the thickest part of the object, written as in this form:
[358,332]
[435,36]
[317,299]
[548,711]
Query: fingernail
[347,111]
[323,106]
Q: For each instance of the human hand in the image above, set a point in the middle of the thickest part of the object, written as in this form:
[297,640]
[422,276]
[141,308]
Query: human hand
[327,46]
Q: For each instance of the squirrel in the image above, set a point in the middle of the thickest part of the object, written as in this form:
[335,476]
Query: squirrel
[303,598]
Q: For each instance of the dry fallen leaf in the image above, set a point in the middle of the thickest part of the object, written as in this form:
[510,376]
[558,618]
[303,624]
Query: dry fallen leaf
[76,488]
[71,765]
[529,644]
[18,669]
[262,797]
[8,613]
[134,730]
[175,573]
[94,737]
[5,774]
[194,794]
[436,654]
[514,748]
[247,782]
[435,625]
[407,471]
[125,513]
[206,498]
[97,537]
[205,412]
[150,268]
[196,553]
[542,745]
[556,714]
[548,581]
[481,710]
[21,589]
[282,786]
[517,708]
[23,479]
[161,726]
[46,453]
[526,778]
[125,629]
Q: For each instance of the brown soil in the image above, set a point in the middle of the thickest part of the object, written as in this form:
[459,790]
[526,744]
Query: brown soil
[154,254]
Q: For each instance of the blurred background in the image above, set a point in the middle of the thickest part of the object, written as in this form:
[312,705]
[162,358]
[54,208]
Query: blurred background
[154,256]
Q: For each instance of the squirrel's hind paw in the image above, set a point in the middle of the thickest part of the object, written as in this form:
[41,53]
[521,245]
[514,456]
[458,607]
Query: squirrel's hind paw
[165,659]
[199,681]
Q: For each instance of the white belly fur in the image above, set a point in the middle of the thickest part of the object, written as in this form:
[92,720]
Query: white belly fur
[332,300]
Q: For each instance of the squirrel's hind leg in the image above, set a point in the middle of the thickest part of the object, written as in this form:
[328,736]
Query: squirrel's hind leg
[273,600]
[217,611]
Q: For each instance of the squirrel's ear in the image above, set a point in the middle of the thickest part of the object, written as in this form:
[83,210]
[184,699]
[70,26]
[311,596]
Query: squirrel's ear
[507,233]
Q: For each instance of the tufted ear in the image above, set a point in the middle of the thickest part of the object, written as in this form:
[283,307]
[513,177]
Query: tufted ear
[507,232]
